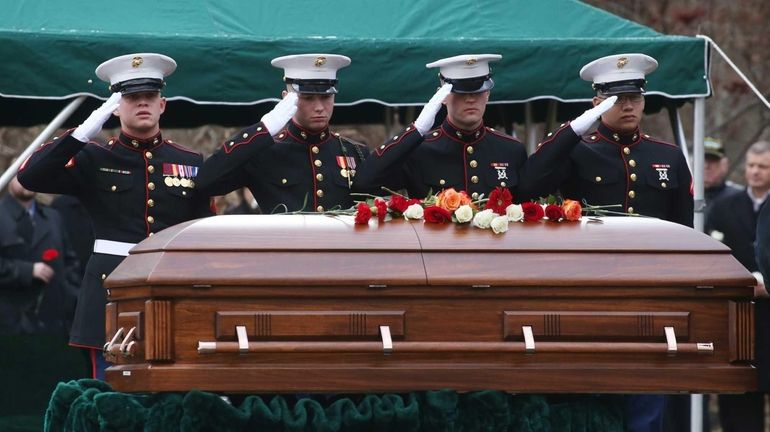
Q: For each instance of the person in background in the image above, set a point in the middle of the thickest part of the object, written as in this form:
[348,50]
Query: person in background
[733,220]
[715,168]
[38,267]
[137,184]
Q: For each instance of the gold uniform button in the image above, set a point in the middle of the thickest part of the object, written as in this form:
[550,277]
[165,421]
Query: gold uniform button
[435,133]
[150,219]
[318,163]
[442,182]
[151,186]
[284,181]
[104,276]
[631,210]
[319,193]
[150,202]
[245,135]
[598,179]
[315,149]
[150,169]
[550,134]
[632,163]
[469,149]
[631,194]
[503,184]
[319,209]
[114,188]
[475,195]
[626,150]
[184,193]
[148,155]
[474,179]
[663,185]
[281,136]
[633,176]
[319,177]
[150,234]
[395,137]
[231,143]
[259,129]
[474,164]
[382,147]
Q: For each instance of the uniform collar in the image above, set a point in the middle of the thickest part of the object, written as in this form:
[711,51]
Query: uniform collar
[618,137]
[138,144]
[464,136]
[305,136]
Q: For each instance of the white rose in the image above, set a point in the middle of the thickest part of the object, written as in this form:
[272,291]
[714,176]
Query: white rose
[483,219]
[464,213]
[718,235]
[414,211]
[514,213]
[499,224]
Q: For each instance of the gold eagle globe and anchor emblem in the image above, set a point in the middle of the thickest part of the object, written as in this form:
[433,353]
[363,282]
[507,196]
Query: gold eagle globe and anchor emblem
[136,62]
[622,62]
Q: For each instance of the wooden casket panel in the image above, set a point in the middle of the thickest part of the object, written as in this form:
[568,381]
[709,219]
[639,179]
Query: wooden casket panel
[455,302]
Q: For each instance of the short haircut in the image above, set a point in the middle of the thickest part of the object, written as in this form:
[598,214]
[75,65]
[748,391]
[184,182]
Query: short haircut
[759,147]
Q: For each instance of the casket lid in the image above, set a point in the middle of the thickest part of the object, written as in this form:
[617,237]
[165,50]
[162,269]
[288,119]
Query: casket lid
[294,250]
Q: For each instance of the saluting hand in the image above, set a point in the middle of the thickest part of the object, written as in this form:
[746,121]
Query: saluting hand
[93,124]
[428,114]
[275,120]
[583,123]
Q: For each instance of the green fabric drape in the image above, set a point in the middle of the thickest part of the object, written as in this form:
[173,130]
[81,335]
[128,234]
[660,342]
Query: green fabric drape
[90,405]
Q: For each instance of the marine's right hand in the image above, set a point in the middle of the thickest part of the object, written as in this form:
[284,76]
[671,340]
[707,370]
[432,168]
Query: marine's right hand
[277,118]
[93,124]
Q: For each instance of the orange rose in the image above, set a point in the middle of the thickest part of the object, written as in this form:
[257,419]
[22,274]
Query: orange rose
[449,199]
[572,210]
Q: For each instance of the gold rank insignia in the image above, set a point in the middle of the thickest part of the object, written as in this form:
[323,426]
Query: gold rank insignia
[136,62]
[622,62]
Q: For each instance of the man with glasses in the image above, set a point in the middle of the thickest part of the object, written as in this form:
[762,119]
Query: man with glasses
[617,163]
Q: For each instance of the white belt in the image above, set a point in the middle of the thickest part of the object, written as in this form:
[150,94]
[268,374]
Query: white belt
[110,247]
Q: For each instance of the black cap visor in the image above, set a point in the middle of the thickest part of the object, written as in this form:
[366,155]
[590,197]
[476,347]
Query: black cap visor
[620,87]
[470,85]
[312,86]
[138,85]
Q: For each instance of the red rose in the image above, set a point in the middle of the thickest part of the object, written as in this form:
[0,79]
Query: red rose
[554,213]
[382,209]
[499,199]
[435,214]
[398,203]
[572,210]
[363,214]
[532,211]
[50,255]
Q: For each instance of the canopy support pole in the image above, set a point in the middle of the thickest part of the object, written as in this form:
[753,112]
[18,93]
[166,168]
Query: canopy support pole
[698,128]
[55,124]
[530,127]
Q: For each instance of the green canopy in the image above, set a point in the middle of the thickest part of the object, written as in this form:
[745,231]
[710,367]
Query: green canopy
[224,48]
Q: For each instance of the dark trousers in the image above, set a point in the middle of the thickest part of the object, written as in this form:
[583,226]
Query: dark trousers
[644,413]
[742,412]
[677,418]
[98,363]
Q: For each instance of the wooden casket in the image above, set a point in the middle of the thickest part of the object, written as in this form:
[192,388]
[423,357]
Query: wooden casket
[313,303]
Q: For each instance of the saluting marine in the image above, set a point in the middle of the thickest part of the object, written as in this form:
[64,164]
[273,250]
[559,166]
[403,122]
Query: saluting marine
[290,160]
[461,153]
[617,163]
[136,185]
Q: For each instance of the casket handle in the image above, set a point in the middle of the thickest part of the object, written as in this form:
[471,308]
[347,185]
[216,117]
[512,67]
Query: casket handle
[387,341]
[243,339]
[670,340]
[529,339]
